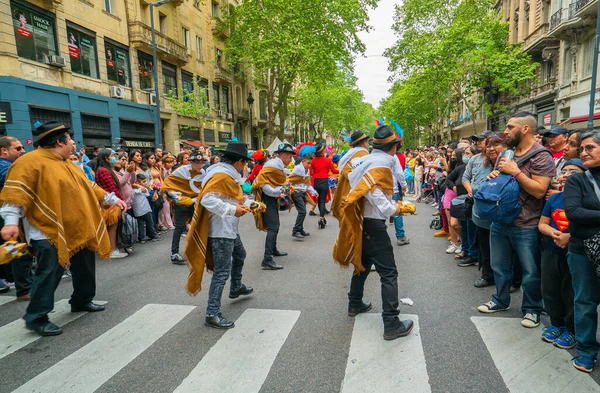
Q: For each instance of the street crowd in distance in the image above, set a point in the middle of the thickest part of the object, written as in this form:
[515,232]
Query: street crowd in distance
[523,205]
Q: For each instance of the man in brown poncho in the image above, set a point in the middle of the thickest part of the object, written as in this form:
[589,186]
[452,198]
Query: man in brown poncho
[40,188]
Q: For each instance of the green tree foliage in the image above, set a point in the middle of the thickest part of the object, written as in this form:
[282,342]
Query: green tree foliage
[192,103]
[452,52]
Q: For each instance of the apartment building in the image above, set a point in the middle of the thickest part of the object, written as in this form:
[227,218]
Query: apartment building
[88,64]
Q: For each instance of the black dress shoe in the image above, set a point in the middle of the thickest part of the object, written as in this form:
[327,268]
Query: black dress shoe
[89,307]
[218,322]
[312,213]
[403,329]
[354,311]
[297,235]
[278,253]
[305,234]
[270,265]
[45,328]
[482,283]
[243,291]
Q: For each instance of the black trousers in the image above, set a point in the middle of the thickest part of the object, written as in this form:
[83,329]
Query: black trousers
[182,214]
[271,218]
[47,277]
[483,248]
[322,187]
[557,289]
[299,199]
[146,226]
[377,250]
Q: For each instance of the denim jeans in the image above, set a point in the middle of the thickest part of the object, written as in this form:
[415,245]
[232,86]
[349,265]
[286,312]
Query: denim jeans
[228,256]
[587,298]
[469,238]
[411,186]
[525,243]
[398,220]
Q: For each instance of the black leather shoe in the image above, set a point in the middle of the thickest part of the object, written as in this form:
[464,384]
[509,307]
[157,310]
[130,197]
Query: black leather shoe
[305,234]
[297,235]
[243,291]
[403,329]
[270,265]
[312,213]
[218,322]
[278,253]
[89,307]
[46,328]
[354,311]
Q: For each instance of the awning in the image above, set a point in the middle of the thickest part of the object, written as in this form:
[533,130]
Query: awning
[579,119]
[195,143]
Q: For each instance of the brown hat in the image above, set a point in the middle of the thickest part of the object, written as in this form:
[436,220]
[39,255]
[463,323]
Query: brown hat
[50,128]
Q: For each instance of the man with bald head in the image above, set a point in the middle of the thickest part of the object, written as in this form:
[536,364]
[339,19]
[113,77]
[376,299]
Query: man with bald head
[532,167]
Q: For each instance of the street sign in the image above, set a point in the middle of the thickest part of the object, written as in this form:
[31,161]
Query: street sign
[5,113]
[28,141]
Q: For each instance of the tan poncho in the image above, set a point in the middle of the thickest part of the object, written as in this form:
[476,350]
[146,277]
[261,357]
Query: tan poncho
[197,251]
[60,201]
[268,175]
[343,186]
[179,181]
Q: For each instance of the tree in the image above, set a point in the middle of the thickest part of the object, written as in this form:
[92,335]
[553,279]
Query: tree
[293,42]
[192,103]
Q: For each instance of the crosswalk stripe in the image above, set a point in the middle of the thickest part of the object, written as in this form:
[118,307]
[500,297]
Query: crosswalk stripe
[6,299]
[376,365]
[240,361]
[526,363]
[14,336]
[91,366]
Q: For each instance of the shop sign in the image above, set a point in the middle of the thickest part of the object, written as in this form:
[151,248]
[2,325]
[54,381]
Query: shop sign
[5,113]
[139,144]
[224,136]
[547,119]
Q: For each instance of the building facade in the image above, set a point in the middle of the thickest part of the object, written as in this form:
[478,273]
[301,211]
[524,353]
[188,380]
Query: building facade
[88,64]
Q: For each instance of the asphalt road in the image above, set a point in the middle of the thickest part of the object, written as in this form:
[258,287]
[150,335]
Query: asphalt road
[314,355]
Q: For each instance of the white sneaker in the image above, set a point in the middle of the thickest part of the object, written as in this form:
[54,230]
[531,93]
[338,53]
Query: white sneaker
[116,254]
[458,250]
[451,249]
[531,320]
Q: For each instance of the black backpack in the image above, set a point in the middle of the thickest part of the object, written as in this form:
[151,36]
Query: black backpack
[128,230]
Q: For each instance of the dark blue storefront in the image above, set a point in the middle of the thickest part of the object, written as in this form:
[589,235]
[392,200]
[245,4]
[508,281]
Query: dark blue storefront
[95,120]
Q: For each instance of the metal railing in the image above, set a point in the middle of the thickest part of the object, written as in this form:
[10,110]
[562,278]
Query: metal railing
[541,31]
[556,18]
[576,6]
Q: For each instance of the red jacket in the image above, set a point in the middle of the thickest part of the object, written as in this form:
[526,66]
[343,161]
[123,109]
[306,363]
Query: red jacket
[320,168]
[402,159]
[255,170]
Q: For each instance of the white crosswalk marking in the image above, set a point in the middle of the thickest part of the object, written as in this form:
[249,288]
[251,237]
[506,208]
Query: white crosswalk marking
[242,358]
[94,364]
[526,363]
[14,336]
[376,365]
[6,299]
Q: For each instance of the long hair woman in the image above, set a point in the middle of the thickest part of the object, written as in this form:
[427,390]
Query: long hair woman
[320,168]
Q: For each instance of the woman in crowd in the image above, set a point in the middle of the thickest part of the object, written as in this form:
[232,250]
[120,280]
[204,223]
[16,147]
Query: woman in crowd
[182,159]
[456,168]
[108,181]
[215,160]
[455,183]
[582,207]
[126,174]
[320,168]
[259,157]
[154,183]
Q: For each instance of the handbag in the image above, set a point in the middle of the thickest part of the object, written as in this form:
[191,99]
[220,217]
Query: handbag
[461,207]
[591,245]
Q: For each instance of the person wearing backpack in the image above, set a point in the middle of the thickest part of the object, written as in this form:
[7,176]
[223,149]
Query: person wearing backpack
[532,168]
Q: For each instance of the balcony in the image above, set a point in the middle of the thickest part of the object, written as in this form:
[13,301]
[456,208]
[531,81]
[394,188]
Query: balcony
[238,72]
[219,29]
[222,75]
[166,48]
[243,114]
[535,42]
[580,14]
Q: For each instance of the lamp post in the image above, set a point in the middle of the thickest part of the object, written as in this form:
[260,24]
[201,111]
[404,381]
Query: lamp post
[594,71]
[157,133]
[250,101]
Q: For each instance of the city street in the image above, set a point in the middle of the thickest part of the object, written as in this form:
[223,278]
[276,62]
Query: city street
[292,335]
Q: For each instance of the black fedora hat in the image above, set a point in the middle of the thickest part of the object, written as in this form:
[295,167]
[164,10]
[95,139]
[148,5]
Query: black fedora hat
[357,137]
[235,150]
[319,147]
[51,128]
[284,148]
[384,137]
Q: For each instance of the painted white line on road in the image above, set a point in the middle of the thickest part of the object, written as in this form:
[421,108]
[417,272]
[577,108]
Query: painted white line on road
[240,361]
[15,336]
[91,366]
[526,363]
[6,299]
[376,365]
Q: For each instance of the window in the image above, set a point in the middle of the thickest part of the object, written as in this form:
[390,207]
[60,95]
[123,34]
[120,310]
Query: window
[216,102]
[117,63]
[169,73]
[197,4]
[218,57]
[216,12]
[145,70]
[108,6]
[34,31]
[162,23]
[82,50]
[587,53]
[225,101]
[185,34]
[189,132]
[144,13]
[45,115]
[187,81]
[548,72]
[199,52]
[203,83]
[568,66]
[209,135]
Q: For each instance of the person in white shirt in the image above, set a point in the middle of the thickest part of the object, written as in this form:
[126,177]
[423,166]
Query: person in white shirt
[300,181]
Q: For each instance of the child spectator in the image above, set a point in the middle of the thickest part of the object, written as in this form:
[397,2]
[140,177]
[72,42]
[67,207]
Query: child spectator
[142,210]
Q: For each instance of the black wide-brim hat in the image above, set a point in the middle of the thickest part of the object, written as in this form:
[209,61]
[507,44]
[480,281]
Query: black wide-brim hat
[357,137]
[50,128]
[384,137]
[284,148]
[235,149]
[319,147]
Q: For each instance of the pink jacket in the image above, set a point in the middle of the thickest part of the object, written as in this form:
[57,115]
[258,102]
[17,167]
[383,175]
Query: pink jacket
[126,181]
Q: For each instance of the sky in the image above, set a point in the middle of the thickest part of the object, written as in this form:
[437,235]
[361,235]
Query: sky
[371,71]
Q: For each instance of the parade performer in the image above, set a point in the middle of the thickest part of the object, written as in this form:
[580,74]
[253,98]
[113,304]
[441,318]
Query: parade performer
[360,144]
[268,188]
[363,240]
[320,168]
[300,184]
[259,157]
[182,187]
[214,242]
[39,188]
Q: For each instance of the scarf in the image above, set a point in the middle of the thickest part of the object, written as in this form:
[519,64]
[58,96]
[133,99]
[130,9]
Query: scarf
[197,251]
[184,180]
[369,174]
[343,186]
[299,176]
[45,186]
[268,175]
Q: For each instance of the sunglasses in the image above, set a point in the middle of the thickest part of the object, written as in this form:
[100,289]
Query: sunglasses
[19,148]
[568,173]
[587,148]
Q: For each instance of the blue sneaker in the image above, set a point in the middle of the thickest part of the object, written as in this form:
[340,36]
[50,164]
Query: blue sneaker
[3,287]
[551,333]
[584,363]
[566,339]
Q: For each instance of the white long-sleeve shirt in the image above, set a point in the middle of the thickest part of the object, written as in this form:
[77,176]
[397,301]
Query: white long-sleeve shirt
[268,189]
[301,171]
[398,176]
